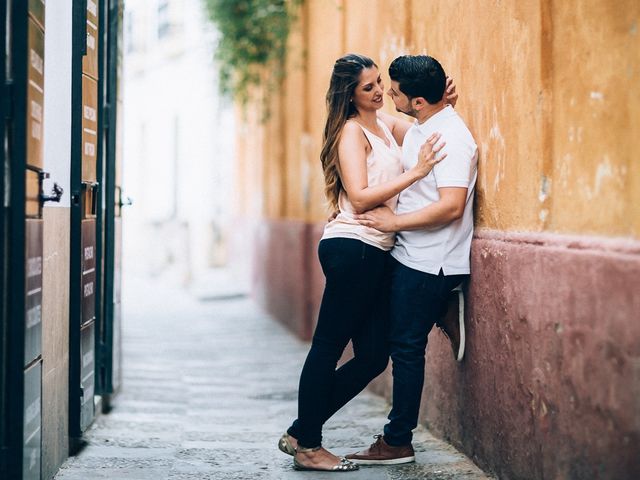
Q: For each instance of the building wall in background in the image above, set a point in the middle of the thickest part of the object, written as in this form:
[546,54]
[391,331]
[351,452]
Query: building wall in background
[550,90]
[549,95]
[56,239]
[179,134]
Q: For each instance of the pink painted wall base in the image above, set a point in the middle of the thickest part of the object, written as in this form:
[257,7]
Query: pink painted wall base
[550,386]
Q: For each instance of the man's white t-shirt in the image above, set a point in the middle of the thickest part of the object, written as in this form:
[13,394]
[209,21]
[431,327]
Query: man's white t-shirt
[447,247]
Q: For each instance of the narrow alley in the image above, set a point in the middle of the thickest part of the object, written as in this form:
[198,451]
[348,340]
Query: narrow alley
[209,385]
[169,168]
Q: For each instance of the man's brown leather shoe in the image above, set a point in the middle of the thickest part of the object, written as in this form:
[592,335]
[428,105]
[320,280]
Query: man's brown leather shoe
[381,453]
[452,322]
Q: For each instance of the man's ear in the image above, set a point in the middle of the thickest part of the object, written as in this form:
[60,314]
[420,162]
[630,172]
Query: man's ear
[418,103]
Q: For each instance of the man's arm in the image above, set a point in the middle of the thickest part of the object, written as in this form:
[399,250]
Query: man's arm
[447,209]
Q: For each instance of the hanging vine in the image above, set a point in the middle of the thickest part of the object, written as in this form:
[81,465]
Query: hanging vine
[253,42]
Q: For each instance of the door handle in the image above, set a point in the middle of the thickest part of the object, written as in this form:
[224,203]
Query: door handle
[56,193]
[123,201]
[90,199]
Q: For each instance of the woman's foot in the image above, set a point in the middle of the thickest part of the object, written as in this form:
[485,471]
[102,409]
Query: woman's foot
[288,444]
[321,459]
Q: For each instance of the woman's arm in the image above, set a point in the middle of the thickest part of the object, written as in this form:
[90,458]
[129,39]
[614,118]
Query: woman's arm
[352,154]
[397,126]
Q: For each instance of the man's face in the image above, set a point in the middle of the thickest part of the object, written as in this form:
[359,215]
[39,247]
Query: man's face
[401,101]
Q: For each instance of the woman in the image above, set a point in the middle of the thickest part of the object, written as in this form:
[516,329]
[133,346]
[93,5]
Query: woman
[361,160]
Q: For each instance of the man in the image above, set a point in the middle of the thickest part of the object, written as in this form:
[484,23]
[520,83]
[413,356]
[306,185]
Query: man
[434,221]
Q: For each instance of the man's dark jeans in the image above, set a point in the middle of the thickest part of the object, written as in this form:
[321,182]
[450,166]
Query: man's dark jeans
[417,301]
[355,306]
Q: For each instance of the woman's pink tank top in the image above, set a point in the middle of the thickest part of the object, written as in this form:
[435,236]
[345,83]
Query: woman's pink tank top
[384,163]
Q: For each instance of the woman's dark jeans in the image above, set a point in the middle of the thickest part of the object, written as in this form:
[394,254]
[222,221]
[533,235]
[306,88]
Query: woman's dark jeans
[355,306]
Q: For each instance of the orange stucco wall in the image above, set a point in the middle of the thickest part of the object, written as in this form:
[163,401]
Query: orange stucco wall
[550,90]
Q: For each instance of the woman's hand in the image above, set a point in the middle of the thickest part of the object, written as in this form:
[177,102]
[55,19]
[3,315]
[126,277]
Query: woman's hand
[427,156]
[450,94]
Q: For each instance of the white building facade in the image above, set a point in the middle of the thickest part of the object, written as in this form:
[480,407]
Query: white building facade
[178,140]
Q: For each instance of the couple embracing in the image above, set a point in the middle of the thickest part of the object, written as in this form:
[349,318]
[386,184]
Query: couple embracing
[397,247]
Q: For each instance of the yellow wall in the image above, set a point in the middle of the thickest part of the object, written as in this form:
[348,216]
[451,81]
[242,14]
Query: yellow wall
[596,117]
[550,90]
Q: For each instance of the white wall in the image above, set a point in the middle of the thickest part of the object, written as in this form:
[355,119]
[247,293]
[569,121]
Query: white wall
[56,236]
[178,142]
[57,98]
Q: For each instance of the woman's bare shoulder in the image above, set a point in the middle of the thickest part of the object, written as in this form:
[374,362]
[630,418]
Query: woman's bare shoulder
[351,126]
[352,129]
[353,136]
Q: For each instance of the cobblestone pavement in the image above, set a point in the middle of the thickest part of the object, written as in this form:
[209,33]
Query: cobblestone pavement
[209,386]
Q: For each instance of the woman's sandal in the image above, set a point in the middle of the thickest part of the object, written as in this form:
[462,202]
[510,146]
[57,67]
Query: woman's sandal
[344,465]
[284,444]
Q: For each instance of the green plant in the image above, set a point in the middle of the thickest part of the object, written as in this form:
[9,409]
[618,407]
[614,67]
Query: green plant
[253,42]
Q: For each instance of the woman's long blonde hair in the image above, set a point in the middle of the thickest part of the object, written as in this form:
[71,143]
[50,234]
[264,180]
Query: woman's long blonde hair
[340,108]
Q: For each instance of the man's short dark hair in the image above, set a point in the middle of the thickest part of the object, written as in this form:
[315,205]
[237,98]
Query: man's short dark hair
[419,76]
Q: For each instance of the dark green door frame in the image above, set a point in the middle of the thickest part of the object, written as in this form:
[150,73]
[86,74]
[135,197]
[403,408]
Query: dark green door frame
[14,16]
[4,257]
[79,46]
[109,60]
[87,217]
[101,259]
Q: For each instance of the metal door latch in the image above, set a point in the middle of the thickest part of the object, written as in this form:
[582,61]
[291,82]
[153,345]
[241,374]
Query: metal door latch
[56,193]
[55,196]
[123,201]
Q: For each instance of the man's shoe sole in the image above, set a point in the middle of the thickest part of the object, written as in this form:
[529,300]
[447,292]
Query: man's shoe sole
[393,461]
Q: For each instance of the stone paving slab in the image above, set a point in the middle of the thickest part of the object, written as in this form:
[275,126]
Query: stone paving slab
[210,386]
